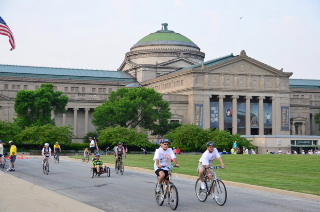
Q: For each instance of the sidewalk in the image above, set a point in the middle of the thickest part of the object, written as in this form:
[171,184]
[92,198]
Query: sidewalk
[20,195]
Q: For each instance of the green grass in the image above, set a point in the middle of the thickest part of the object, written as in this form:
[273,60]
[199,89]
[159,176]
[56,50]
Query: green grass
[298,173]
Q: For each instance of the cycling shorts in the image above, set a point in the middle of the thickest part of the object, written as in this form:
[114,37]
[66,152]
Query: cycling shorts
[165,172]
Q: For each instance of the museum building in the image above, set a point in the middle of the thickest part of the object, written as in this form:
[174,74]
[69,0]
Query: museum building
[234,92]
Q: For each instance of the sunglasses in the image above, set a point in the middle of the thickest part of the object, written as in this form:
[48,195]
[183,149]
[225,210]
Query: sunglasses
[210,146]
[166,144]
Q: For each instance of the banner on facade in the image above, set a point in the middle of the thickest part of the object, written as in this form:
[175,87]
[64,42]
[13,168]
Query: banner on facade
[214,115]
[198,111]
[285,118]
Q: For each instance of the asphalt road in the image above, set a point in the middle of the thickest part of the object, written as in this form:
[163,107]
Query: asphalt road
[134,191]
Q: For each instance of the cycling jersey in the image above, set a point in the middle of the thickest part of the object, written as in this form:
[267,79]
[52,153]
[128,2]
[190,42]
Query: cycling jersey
[57,147]
[46,151]
[97,163]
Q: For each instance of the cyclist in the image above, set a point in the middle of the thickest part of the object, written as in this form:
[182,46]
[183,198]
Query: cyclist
[13,154]
[86,152]
[56,148]
[119,151]
[162,161]
[98,164]
[46,153]
[206,160]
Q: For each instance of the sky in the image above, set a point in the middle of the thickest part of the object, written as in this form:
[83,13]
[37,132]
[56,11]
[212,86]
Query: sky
[96,34]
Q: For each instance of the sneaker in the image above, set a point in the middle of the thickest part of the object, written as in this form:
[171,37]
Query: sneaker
[158,188]
[203,186]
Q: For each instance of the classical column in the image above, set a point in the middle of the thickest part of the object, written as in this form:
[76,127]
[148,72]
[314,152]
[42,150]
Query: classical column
[206,112]
[75,121]
[293,129]
[274,113]
[303,128]
[313,125]
[221,113]
[86,120]
[248,113]
[234,114]
[64,118]
[261,115]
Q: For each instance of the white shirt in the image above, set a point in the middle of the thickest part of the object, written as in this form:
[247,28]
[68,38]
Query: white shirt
[46,153]
[207,158]
[1,149]
[164,158]
[92,143]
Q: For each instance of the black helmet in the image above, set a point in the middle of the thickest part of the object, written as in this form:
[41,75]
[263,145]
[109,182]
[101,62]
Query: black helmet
[210,143]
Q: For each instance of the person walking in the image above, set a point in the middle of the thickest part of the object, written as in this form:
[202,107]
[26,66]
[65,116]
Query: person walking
[93,147]
[13,154]
[206,161]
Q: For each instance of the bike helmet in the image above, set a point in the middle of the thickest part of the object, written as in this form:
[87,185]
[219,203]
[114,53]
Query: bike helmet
[0,141]
[57,143]
[165,141]
[46,144]
[120,143]
[97,155]
[210,143]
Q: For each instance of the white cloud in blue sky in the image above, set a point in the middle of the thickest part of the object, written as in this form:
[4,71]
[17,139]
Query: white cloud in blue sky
[96,34]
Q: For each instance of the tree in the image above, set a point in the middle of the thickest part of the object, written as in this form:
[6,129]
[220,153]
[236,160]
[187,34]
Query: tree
[114,135]
[188,137]
[34,108]
[317,119]
[8,131]
[45,134]
[132,107]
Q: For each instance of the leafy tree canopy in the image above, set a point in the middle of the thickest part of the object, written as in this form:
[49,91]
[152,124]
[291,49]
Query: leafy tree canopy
[45,134]
[317,119]
[114,135]
[132,107]
[34,108]
[8,131]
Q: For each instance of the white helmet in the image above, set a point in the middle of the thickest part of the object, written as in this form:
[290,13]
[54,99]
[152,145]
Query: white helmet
[46,144]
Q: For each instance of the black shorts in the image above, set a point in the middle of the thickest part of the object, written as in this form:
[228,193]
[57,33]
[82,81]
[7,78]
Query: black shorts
[165,172]
[92,149]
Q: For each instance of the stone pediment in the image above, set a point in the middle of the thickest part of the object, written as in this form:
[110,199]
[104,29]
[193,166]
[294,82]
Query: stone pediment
[127,65]
[180,62]
[244,65]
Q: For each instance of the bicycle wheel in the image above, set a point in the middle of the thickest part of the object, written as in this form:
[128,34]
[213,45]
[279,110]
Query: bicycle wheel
[121,165]
[46,168]
[6,166]
[201,193]
[55,158]
[92,172]
[159,196]
[219,193]
[116,167]
[58,158]
[108,171]
[173,197]
[87,157]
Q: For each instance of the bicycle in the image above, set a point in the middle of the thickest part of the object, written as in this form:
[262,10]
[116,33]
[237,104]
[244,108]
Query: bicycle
[215,188]
[101,171]
[45,166]
[167,191]
[6,163]
[56,157]
[119,166]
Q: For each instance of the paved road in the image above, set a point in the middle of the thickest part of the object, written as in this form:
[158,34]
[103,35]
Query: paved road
[134,191]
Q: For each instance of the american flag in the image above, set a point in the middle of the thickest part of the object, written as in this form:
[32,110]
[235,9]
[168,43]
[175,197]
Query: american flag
[5,30]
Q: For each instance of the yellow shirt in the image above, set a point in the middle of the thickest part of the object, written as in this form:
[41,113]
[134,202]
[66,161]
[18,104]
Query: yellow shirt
[56,146]
[13,150]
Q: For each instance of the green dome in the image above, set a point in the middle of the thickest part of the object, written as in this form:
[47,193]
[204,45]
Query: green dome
[165,37]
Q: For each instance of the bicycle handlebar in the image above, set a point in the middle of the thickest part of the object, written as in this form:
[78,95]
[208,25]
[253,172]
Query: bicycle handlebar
[215,167]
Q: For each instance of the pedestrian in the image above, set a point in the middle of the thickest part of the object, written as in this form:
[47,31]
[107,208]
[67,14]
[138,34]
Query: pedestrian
[13,154]
[93,147]
[178,150]
[279,151]
[1,151]
[206,161]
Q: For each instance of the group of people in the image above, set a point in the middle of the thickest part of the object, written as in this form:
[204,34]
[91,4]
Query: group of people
[12,154]
[164,155]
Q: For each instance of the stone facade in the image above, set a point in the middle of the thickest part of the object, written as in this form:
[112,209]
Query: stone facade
[235,92]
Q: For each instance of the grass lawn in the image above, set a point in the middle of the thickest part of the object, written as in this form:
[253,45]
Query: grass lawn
[299,173]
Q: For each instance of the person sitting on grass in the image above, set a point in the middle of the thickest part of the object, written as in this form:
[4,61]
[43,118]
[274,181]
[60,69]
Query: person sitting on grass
[98,164]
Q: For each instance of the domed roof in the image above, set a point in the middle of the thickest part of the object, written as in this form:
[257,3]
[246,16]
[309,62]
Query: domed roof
[165,37]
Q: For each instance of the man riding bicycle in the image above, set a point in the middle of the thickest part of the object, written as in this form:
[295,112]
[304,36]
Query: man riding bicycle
[46,153]
[206,160]
[57,148]
[162,161]
[119,151]
[98,164]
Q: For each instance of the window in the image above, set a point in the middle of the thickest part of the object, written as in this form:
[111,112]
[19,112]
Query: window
[110,90]
[94,90]
[18,87]
[13,86]
[6,86]
[74,89]
[55,88]
[102,90]
[83,89]
[65,89]
[36,87]
[25,87]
